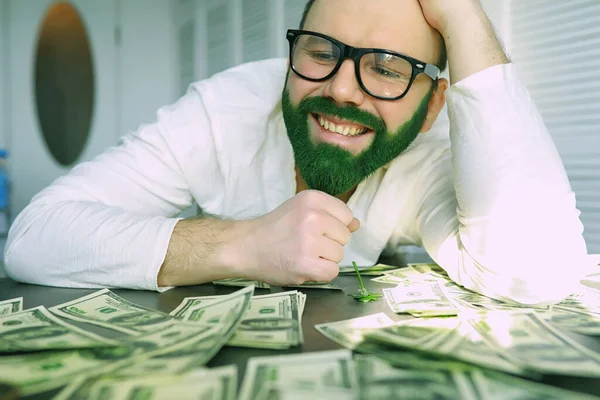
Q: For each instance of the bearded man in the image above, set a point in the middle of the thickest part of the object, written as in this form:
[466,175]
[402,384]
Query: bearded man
[322,159]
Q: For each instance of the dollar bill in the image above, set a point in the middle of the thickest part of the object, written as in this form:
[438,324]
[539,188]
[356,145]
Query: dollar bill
[40,372]
[586,299]
[209,384]
[350,333]
[390,280]
[466,299]
[380,380]
[314,372]
[449,337]
[11,306]
[316,285]
[419,300]
[280,392]
[408,358]
[239,282]
[37,329]
[504,387]
[417,274]
[272,321]
[374,270]
[106,309]
[573,320]
[526,340]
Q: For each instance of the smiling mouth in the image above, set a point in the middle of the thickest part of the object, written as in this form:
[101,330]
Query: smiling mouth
[341,127]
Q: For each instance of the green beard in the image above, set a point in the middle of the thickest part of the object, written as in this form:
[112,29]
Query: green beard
[334,170]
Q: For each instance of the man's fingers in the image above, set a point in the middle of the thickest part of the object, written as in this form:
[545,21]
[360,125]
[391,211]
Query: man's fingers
[324,270]
[335,207]
[354,225]
[331,250]
[336,230]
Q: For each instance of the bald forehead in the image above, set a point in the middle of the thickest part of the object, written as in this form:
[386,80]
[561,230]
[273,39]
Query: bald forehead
[397,25]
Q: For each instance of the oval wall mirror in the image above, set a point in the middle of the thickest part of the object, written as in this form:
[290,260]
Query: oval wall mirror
[64,82]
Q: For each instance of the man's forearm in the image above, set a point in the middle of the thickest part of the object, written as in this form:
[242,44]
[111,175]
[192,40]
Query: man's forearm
[202,250]
[471,43]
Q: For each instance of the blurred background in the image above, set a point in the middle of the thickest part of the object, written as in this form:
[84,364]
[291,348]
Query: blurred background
[77,75]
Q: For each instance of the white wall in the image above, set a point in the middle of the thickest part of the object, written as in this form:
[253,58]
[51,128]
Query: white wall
[148,61]
[4,112]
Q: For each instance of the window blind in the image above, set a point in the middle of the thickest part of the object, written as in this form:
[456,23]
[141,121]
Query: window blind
[556,46]
[220,38]
[293,13]
[255,30]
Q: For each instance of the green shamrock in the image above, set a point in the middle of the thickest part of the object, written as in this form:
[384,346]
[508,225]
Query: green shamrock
[363,295]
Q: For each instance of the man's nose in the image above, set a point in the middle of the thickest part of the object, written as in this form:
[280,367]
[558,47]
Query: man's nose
[343,87]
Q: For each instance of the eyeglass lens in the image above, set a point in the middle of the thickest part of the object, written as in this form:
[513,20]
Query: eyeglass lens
[382,74]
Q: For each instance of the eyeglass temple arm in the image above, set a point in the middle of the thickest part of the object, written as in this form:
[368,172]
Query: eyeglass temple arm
[432,71]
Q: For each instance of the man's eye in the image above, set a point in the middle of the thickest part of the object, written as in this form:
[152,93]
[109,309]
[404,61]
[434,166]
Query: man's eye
[322,55]
[390,74]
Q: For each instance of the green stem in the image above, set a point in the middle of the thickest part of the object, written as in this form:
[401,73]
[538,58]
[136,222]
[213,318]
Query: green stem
[362,286]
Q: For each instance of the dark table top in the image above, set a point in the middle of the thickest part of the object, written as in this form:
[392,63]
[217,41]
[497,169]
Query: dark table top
[321,306]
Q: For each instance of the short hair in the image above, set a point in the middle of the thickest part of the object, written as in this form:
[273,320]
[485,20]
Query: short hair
[441,62]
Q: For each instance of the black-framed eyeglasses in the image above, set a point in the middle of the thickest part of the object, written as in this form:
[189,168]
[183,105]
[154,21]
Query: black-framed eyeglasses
[383,74]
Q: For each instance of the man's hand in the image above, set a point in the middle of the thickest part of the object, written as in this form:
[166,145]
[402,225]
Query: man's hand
[471,42]
[302,240]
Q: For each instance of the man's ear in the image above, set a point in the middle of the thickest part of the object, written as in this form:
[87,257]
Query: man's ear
[436,103]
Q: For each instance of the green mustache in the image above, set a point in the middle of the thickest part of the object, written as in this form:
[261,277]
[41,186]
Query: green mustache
[321,105]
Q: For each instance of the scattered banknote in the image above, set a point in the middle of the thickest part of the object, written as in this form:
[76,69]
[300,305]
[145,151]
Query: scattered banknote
[239,282]
[312,372]
[350,333]
[524,339]
[316,285]
[491,385]
[515,342]
[424,290]
[375,270]
[39,372]
[586,299]
[37,329]
[280,392]
[272,321]
[448,337]
[208,384]
[573,320]
[378,380]
[11,306]
[262,285]
[106,309]
[419,300]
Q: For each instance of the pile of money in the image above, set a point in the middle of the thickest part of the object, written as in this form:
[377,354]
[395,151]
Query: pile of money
[150,353]
[424,290]
[460,358]
[340,375]
[273,321]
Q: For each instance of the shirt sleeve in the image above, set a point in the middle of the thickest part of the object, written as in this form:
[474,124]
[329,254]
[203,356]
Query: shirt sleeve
[109,221]
[498,211]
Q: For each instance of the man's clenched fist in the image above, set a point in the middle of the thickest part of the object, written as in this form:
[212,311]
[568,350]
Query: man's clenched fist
[301,240]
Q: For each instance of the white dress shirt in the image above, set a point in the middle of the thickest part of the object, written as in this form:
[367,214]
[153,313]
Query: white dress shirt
[490,202]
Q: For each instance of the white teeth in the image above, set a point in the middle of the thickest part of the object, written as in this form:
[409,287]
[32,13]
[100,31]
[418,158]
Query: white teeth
[346,131]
